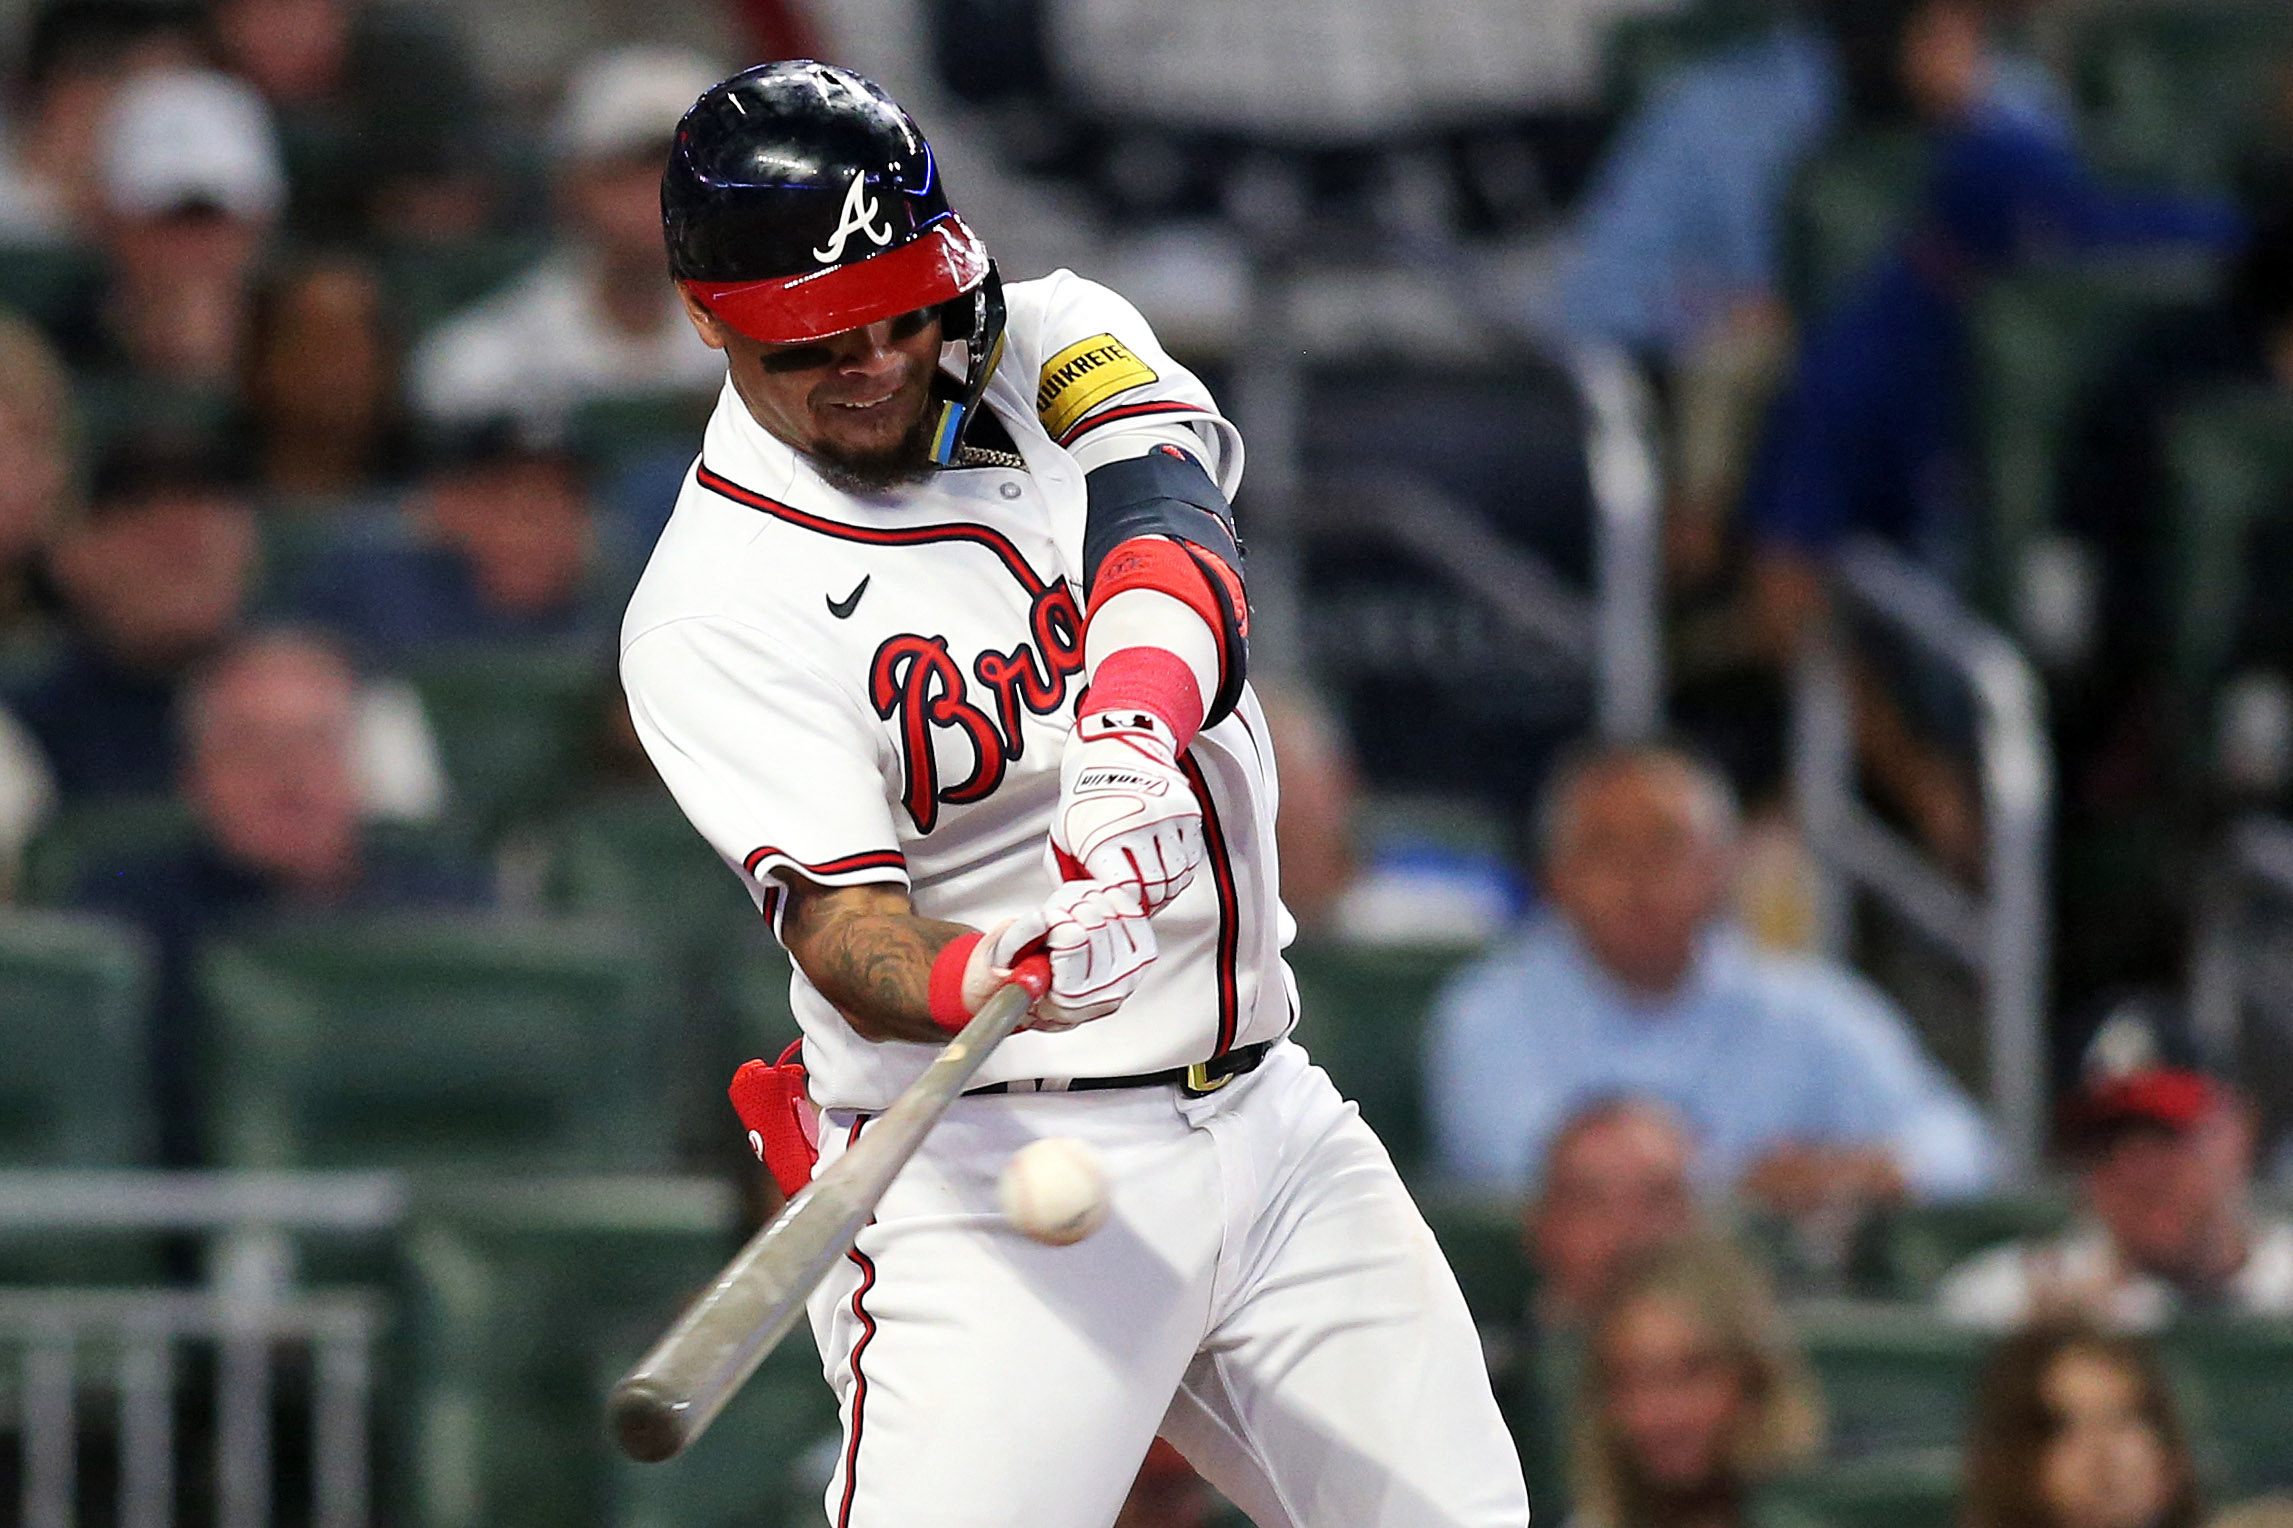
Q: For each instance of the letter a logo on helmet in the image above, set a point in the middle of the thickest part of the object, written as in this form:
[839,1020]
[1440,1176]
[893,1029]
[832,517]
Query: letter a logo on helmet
[858,216]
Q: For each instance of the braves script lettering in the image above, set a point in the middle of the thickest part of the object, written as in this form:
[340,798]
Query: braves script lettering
[919,681]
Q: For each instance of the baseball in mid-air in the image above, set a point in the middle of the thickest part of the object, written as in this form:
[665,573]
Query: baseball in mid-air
[1054,1192]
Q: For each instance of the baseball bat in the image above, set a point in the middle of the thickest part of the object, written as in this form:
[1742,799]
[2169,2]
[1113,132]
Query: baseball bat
[677,1389]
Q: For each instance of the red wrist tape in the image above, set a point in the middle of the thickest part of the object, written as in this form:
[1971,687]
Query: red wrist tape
[945,993]
[1148,679]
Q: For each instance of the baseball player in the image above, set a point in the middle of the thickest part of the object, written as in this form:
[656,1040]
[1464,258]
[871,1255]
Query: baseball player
[943,651]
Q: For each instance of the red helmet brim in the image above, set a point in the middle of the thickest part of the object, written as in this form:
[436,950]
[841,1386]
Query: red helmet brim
[941,265]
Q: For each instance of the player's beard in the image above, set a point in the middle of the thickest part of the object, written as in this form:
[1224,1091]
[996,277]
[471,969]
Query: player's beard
[859,471]
[870,472]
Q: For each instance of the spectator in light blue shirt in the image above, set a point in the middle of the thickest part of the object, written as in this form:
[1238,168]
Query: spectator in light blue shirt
[1682,225]
[1802,1087]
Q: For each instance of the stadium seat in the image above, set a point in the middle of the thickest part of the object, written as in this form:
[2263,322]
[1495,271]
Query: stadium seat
[1895,1379]
[609,433]
[46,283]
[1481,1237]
[439,1043]
[1362,1017]
[1924,1242]
[1846,206]
[1913,1491]
[429,282]
[2038,342]
[635,857]
[2229,466]
[1645,49]
[512,726]
[84,842]
[73,990]
[2240,1400]
[523,1299]
[2167,93]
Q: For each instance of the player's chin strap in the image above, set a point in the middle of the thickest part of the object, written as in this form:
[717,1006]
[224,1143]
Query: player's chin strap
[978,322]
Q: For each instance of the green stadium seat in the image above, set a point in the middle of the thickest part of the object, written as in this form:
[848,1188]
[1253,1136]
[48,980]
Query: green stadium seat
[45,283]
[512,726]
[429,282]
[1895,1378]
[764,1463]
[2239,1377]
[637,858]
[1913,1491]
[2229,464]
[1924,1242]
[1846,206]
[73,1026]
[435,1042]
[1643,51]
[523,1299]
[82,843]
[614,432]
[2168,92]
[1362,1018]
[2038,342]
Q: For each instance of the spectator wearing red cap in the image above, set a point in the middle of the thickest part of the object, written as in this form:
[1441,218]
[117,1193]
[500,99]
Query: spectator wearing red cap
[2166,1158]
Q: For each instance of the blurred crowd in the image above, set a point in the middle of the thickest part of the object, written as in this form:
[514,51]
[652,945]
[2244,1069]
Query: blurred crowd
[333,371]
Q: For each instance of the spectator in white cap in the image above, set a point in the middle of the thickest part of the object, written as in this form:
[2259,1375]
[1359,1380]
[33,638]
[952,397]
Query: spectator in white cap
[597,316]
[192,185]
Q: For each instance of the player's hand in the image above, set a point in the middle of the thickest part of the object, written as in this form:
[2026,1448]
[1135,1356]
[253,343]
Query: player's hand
[1127,814]
[1100,943]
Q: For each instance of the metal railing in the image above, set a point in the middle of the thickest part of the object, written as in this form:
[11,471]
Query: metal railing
[1612,635]
[2256,857]
[82,1347]
[2001,932]
[144,1334]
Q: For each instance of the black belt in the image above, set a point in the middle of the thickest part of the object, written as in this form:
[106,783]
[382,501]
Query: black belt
[1196,1081]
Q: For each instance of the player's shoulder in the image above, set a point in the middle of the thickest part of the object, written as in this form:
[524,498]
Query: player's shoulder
[712,563]
[1083,346]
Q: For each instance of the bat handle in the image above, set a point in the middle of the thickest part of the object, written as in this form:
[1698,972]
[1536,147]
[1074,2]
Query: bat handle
[1033,973]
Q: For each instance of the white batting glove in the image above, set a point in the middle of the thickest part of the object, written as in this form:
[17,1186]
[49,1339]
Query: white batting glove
[1126,812]
[1100,944]
[989,965]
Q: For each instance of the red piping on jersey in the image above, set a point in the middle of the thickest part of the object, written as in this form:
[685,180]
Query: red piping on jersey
[916,535]
[874,859]
[1083,427]
[867,1335]
[1229,921]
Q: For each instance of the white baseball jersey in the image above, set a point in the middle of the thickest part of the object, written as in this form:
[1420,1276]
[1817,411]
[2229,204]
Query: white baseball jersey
[878,688]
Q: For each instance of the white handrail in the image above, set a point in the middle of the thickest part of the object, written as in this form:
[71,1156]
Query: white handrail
[2001,933]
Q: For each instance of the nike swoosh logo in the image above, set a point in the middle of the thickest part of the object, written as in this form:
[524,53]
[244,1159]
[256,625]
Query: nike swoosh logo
[843,608]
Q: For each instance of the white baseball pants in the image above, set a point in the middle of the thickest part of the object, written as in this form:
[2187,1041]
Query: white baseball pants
[1264,1295]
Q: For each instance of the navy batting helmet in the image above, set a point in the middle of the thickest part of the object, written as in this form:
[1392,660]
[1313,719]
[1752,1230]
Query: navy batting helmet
[800,201]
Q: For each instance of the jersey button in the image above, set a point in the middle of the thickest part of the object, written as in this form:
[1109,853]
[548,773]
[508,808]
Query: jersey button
[1010,490]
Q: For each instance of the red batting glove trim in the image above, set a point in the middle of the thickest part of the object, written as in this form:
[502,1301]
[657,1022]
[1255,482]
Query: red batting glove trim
[1148,679]
[945,994]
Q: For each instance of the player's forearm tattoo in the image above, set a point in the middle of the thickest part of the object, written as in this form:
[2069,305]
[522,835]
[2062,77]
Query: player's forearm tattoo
[867,952]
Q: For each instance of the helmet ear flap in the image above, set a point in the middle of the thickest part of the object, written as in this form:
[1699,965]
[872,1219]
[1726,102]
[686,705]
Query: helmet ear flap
[959,316]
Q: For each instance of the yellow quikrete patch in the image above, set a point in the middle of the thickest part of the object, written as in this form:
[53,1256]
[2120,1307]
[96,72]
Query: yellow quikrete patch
[1083,376]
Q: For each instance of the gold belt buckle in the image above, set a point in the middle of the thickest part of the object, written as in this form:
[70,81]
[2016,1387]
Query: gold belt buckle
[1199,1081]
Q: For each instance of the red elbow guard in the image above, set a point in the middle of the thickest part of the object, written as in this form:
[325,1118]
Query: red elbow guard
[1198,580]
